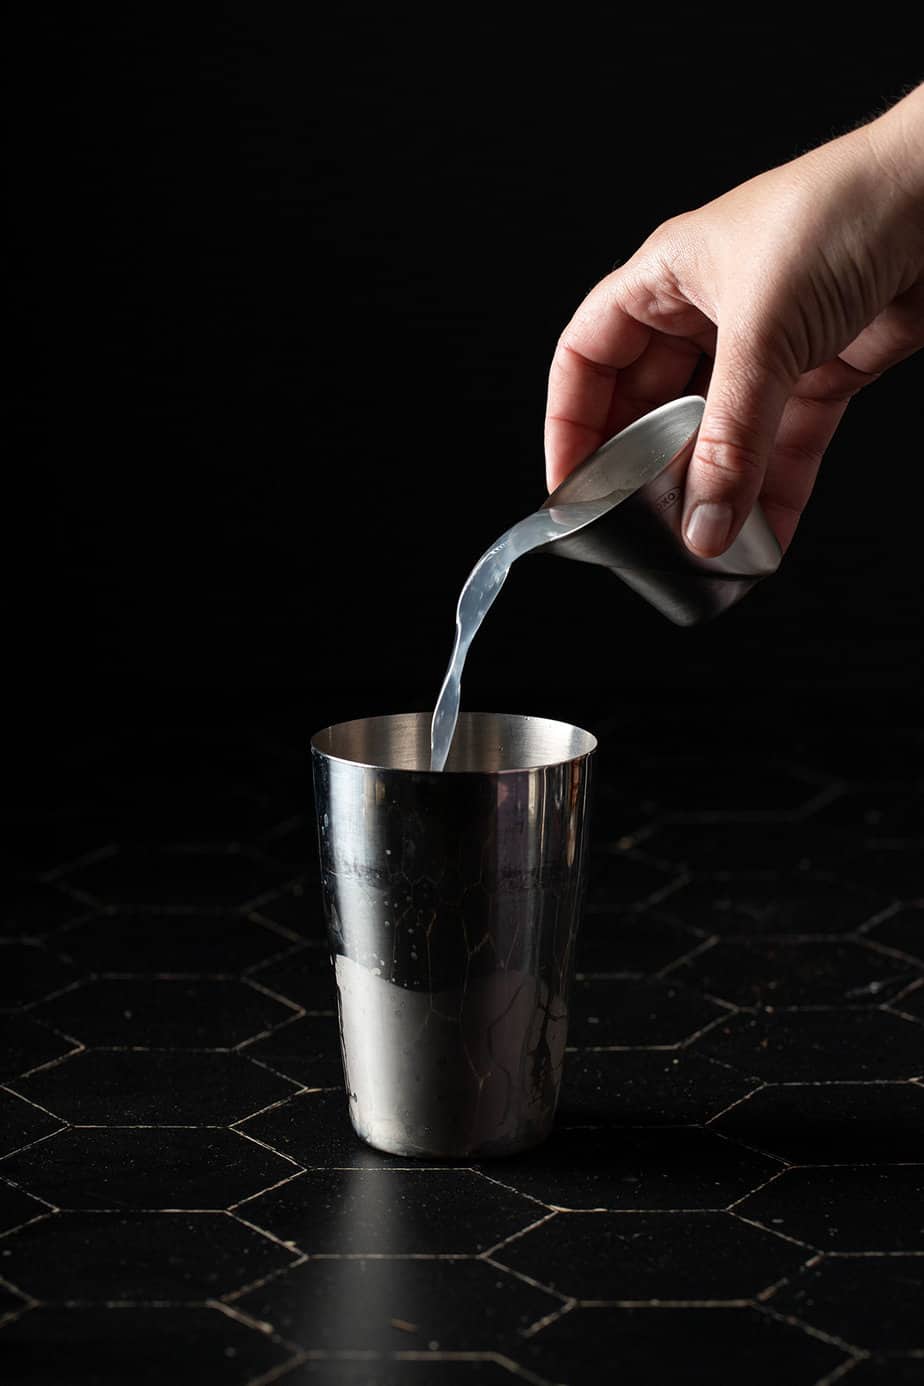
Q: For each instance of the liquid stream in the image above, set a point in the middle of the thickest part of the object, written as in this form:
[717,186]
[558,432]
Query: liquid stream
[480,591]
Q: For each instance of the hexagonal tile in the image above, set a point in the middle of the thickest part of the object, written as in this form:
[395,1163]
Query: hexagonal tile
[117,1168]
[138,1256]
[802,1046]
[28,971]
[870,1301]
[832,1123]
[652,1256]
[789,902]
[622,878]
[110,1347]
[391,1211]
[157,1087]
[153,875]
[18,1207]
[306,1050]
[143,941]
[304,976]
[638,1087]
[167,1013]
[636,1013]
[789,972]
[25,1045]
[637,943]
[846,1207]
[30,909]
[467,1306]
[635,1169]
[21,1123]
[651,1347]
[903,931]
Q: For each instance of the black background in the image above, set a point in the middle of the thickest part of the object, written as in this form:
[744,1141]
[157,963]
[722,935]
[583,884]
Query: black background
[284,296]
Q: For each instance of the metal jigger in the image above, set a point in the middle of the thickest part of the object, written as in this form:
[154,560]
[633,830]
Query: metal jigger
[642,469]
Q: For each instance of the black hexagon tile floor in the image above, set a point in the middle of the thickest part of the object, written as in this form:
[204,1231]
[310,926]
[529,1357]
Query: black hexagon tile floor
[734,1186]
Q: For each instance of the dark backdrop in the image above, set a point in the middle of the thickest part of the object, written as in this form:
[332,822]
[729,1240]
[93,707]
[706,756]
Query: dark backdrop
[284,295]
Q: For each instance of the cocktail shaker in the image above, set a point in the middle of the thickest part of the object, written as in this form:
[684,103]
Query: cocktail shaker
[639,538]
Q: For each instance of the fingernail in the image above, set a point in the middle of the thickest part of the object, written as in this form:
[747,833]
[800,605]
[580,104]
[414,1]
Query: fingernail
[708,525]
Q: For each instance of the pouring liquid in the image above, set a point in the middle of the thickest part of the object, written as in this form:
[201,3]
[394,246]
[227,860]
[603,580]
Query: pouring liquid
[480,591]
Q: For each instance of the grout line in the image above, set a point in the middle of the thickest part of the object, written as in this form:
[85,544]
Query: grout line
[270,1236]
[704,946]
[774,1231]
[277,1073]
[894,908]
[271,1106]
[28,1006]
[5,1087]
[811,1330]
[281,930]
[28,1299]
[754,1149]
[90,858]
[553,1317]
[233,1295]
[838,1374]
[273,996]
[299,1170]
[737,1103]
[272,1150]
[15,1314]
[40,1140]
[259,1325]
[277,1373]
[39,1217]
[509,1187]
[770,1290]
[664,1303]
[527,1280]
[485,1255]
[874,946]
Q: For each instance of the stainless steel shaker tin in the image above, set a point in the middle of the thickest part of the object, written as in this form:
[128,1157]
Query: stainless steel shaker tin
[452,901]
[639,538]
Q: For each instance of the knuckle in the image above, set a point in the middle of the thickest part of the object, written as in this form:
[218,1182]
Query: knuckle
[729,456]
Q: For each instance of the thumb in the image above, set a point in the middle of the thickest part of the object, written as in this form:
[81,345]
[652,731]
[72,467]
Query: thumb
[744,405]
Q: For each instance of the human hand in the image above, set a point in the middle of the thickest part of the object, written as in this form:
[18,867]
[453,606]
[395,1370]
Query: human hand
[777,301]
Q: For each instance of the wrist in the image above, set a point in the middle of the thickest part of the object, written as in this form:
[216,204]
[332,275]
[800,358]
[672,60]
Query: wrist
[897,141]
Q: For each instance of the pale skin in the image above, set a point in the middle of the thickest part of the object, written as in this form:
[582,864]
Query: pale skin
[778,301]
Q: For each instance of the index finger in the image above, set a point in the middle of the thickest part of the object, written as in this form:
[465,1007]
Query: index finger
[600,340]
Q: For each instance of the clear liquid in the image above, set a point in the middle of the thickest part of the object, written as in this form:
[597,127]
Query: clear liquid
[479,593]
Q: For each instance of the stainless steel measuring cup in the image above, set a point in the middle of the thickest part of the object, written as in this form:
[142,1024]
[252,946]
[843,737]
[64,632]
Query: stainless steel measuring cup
[639,537]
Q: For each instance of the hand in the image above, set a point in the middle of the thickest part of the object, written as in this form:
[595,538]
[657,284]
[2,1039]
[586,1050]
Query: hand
[778,302]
